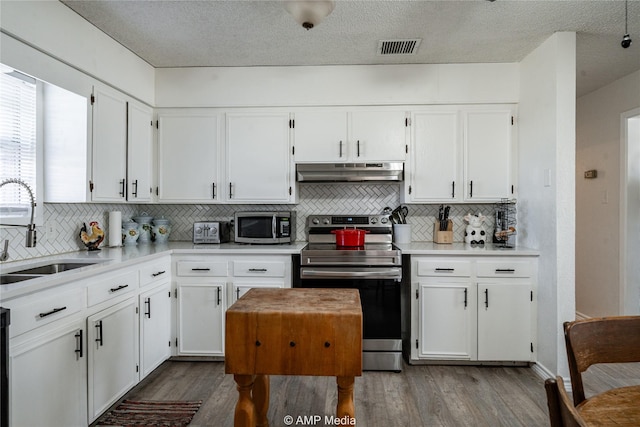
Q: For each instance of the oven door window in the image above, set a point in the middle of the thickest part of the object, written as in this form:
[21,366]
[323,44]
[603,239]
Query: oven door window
[258,227]
[380,304]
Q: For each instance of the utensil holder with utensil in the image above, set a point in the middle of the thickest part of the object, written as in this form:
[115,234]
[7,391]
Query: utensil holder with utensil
[443,236]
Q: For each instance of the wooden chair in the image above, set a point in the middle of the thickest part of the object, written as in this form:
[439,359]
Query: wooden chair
[600,340]
[562,413]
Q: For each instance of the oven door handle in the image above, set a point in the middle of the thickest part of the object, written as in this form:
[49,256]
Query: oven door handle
[386,273]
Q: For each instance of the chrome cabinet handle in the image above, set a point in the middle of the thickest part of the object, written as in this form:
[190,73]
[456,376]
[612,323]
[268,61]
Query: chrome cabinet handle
[486,298]
[465,297]
[134,189]
[340,149]
[214,190]
[358,145]
[123,187]
[219,295]
[453,189]
[230,192]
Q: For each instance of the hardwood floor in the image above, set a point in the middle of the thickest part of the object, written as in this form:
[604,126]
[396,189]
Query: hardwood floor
[418,396]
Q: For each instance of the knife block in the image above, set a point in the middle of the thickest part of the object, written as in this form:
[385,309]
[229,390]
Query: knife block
[443,236]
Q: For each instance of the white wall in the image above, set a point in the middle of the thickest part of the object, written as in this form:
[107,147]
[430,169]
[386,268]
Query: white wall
[337,85]
[598,136]
[546,177]
[56,30]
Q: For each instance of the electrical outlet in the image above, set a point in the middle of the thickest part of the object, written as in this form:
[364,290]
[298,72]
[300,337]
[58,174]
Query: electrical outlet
[52,230]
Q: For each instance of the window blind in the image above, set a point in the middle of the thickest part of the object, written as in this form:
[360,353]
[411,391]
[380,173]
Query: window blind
[17,140]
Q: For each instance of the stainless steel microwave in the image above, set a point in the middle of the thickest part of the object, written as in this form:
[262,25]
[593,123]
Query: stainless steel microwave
[265,228]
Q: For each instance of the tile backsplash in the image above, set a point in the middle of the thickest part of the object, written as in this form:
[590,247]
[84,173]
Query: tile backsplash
[62,222]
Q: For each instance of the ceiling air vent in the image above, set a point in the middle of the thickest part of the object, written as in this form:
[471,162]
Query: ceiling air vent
[398,47]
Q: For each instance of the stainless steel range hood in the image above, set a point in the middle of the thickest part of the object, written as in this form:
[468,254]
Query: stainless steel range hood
[350,172]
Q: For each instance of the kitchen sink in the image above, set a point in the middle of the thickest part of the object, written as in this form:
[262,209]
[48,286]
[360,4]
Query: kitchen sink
[7,279]
[53,268]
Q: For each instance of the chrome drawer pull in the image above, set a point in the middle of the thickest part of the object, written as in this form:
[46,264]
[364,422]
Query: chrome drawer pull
[54,311]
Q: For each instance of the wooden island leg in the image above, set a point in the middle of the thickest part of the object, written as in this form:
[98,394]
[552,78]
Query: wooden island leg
[261,399]
[245,414]
[345,397]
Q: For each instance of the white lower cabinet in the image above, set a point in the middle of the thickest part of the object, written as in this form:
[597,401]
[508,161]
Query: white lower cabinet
[48,378]
[470,309]
[112,339]
[201,318]
[447,313]
[504,321]
[208,285]
[155,327]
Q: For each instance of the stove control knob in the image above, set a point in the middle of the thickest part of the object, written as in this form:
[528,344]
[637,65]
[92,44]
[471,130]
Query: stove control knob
[384,220]
[326,221]
[315,221]
[374,220]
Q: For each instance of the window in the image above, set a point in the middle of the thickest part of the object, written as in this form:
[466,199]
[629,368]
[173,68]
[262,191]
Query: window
[20,147]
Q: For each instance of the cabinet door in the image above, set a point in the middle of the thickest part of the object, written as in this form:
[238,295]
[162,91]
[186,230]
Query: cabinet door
[139,152]
[155,328]
[488,155]
[113,355]
[258,158]
[447,313]
[504,321]
[434,170]
[188,156]
[48,379]
[109,146]
[378,136]
[320,136]
[201,319]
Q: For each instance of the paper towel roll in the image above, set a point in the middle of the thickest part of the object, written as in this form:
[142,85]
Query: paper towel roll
[115,228]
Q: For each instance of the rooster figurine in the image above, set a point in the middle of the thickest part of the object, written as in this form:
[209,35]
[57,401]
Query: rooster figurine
[93,238]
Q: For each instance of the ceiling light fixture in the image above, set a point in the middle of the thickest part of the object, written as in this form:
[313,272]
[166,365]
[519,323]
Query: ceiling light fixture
[309,13]
[626,40]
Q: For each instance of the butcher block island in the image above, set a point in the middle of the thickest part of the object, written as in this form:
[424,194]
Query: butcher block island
[292,332]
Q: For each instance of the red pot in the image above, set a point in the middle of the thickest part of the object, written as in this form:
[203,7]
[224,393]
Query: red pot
[349,237]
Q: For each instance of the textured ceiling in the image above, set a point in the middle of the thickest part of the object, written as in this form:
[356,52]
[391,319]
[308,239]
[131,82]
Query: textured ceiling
[190,33]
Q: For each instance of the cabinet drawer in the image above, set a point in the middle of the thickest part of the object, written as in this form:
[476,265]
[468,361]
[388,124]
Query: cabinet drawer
[443,268]
[202,268]
[154,271]
[259,268]
[45,310]
[505,268]
[111,287]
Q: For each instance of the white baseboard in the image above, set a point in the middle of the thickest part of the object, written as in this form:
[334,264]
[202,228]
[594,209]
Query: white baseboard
[581,316]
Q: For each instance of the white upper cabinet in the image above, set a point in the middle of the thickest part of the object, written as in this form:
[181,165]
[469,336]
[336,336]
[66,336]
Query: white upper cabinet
[321,136]
[350,137]
[259,163]
[488,154]
[109,158]
[122,148]
[435,168]
[461,154]
[139,152]
[189,156]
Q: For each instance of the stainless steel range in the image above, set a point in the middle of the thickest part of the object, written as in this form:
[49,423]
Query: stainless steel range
[375,269]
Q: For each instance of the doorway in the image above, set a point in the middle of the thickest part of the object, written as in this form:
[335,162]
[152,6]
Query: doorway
[630,213]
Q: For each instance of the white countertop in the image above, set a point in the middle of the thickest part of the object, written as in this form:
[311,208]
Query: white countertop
[126,256]
[459,248]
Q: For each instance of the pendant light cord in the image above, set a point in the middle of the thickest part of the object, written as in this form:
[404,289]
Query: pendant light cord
[626,4]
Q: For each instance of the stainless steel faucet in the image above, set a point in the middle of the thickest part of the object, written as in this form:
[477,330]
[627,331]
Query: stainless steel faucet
[31,228]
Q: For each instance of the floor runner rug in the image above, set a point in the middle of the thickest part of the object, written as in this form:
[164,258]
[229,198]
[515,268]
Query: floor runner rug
[151,413]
